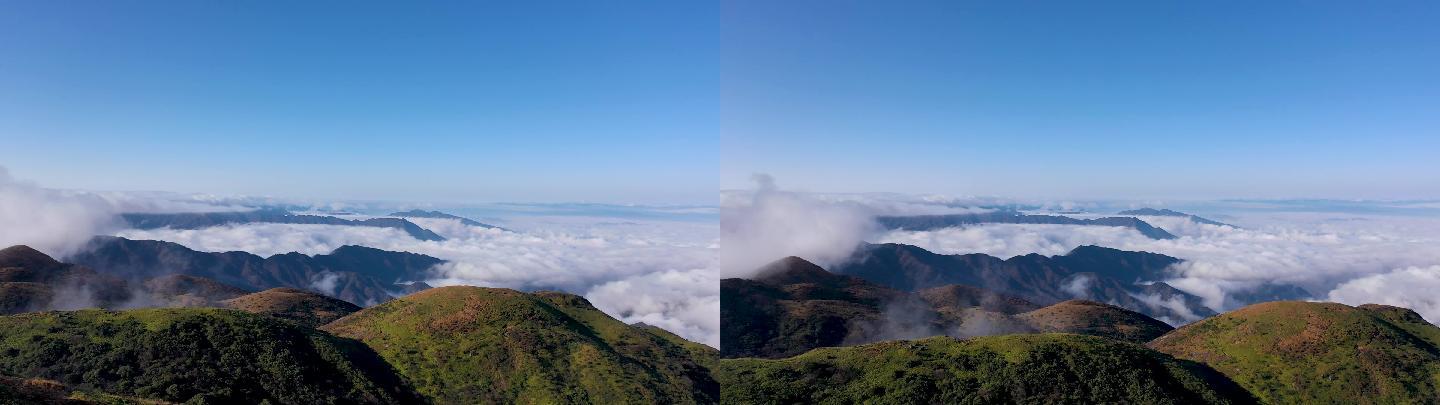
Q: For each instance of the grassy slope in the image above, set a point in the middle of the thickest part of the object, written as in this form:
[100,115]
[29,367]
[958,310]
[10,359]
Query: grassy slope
[1040,368]
[1303,352]
[470,344]
[303,307]
[1096,319]
[195,354]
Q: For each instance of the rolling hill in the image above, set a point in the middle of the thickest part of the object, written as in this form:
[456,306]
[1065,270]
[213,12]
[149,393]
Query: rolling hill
[1036,368]
[1313,352]
[33,281]
[793,306]
[198,356]
[303,307]
[472,344]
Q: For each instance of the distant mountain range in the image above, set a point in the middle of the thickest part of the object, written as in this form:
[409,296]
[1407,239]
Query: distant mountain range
[793,306]
[357,274]
[416,213]
[1128,279]
[932,222]
[1170,213]
[198,220]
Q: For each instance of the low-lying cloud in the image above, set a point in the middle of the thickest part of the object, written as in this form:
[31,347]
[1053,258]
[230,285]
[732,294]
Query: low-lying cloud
[659,272]
[1320,253]
[58,222]
[53,221]
[1411,287]
[769,224]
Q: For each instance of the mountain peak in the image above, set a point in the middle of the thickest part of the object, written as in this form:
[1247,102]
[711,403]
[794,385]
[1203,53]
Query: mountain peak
[26,257]
[792,270]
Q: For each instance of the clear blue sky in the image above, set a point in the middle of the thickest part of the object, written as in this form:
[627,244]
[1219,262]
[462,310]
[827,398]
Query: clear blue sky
[1142,99]
[466,101]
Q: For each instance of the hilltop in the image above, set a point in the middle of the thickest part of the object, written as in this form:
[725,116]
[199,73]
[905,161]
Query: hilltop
[472,344]
[304,307]
[1096,319]
[1312,352]
[33,281]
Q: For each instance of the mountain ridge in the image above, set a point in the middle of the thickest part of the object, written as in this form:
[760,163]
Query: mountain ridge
[198,220]
[932,222]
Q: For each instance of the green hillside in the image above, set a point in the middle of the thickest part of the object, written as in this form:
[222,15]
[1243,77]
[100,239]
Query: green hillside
[196,355]
[1307,352]
[488,345]
[1036,368]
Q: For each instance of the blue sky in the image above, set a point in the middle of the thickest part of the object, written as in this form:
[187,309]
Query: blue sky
[466,102]
[1143,99]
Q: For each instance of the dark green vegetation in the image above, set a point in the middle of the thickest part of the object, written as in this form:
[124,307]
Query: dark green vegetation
[196,355]
[486,345]
[1308,352]
[1044,368]
[303,307]
[793,306]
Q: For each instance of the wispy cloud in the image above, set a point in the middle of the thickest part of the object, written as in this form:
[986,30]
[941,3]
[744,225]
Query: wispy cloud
[769,223]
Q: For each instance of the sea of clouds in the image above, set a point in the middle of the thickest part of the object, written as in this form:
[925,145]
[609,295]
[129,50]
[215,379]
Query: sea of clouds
[1349,252]
[657,266]
[659,272]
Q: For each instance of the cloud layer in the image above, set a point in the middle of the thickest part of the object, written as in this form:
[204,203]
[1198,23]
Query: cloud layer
[1316,252]
[659,272]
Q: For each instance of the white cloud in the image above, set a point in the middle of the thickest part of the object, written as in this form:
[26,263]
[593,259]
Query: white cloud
[1411,287]
[769,224]
[1313,251]
[53,221]
[1078,286]
[659,272]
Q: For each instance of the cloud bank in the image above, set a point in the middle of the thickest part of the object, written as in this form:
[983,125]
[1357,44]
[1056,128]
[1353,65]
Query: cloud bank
[53,221]
[659,272]
[1362,258]
[58,222]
